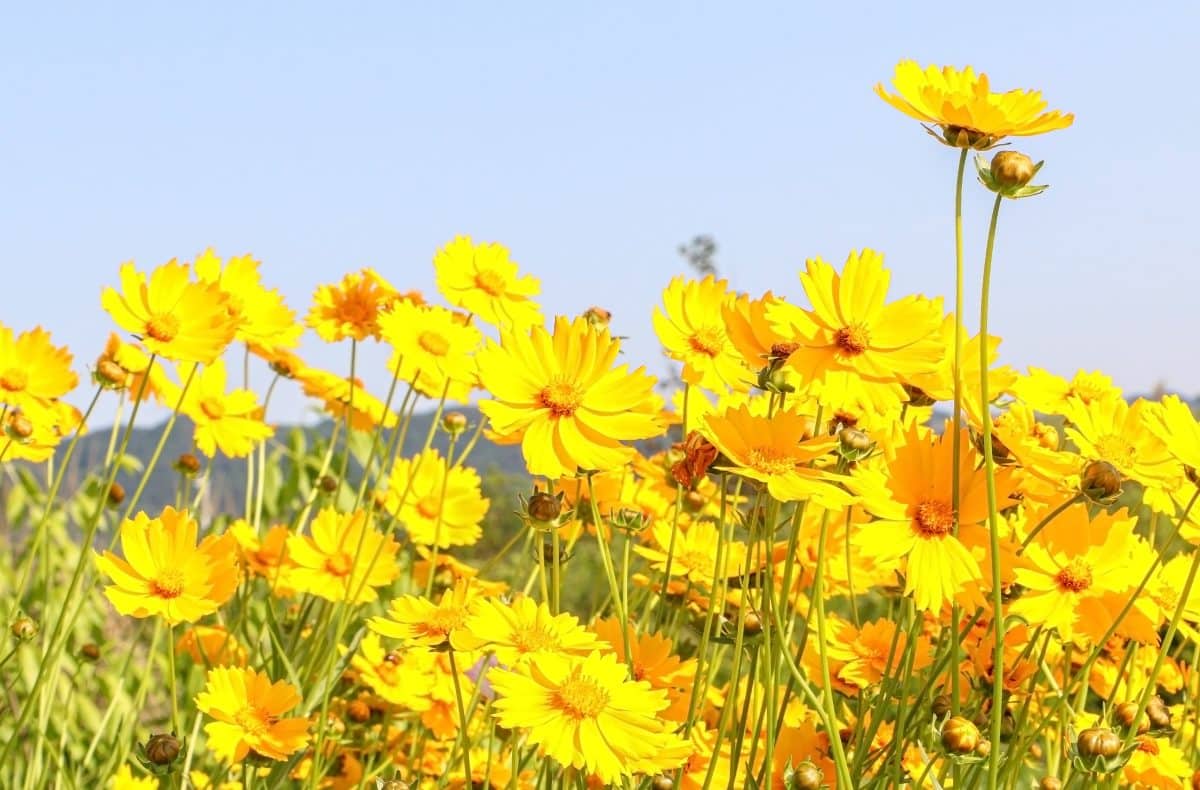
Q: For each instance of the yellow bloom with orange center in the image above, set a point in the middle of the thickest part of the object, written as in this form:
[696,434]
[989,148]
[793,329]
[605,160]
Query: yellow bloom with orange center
[432,347]
[695,555]
[964,106]
[586,713]
[398,678]
[692,329]
[436,504]
[164,571]
[33,371]
[1050,394]
[1114,431]
[340,394]
[344,559]
[1156,763]
[851,328]
[351,307]
[174,317]
[562,392]
[751,333]
[652,658]
[521,631]
[248,711]
[211,646]
[420,621]
[266,557]
[864,653]
[230,422]
[263,318]
[481,279]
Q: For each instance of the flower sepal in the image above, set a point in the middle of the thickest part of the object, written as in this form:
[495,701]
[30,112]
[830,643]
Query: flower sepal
[999,181]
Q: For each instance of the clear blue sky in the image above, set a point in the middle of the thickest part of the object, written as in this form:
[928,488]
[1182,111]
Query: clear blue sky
[592,139]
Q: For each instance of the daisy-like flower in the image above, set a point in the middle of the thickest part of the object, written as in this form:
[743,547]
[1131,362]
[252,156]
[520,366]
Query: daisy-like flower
[339,393]
[1157,763]
[482,280]
[344,559]
[692,330]
[432,347]
[33,435]
[396,677]
[963,105]
[33,371]
[351,308]
[249,709]
[1047,393]
[211,646]
[777,452]
[262,317]
[752,334]
[124,366]
[1114,431]
[850,328]
[435,504]
[229,422]
[522,632]
[863,653]
[587,714]
[561,392]
[165,572]
[267,556]
[652,658]
[420,621]
[695,556]
[174,317]
[1173,422]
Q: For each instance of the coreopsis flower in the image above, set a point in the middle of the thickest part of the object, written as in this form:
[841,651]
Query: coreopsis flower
[432,347]
[1157,763]
[778,452]
[123,366]
[751,333]
[1173,422]
[33,371]
[963,105]
[263,318]
[652,658]
[915,518]
[695,555]
[448,570]
[939,382]
[522,631]
[850,328]
[174,317]
[351,308]
[562,392]
[340,394]
[344,559]
[1114,431]
[33,435]
[481,279]
[863,653]
[398,678]
[798,751]
[587,714]
[266,557]
[164,571]
[692,330]
[436,504]
[211,646]
[1047,393]
[422,622]
[249,709]
[230,422]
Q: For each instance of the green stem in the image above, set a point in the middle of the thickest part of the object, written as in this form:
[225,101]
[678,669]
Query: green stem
[956,436]
[462,721]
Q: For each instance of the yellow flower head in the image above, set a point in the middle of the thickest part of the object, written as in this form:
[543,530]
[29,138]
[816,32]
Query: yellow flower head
[652,658]
[522,631]
[351,308]
[435,504]
[692,329]
[963,105]
[211,646]
[262,316]
[339,393]
[432,347]
[344,559]
[124,366]
[752,334]
[422,622]
[174,317]
[248,711]
[229,422]
[1173,422]
[482,280]
[124,779]
[1114,431]
[165,572]
[266,557]
[398,678]
[33,372]
[562,393]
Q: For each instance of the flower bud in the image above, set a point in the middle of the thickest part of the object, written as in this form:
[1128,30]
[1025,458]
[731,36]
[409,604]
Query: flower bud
[454,423]
[1100,482]
[24,629]
[1050,783]
[1196,781]
[1098,742]
[543,509]
[161,749]
[90,652]
[694,501]
[598,317]
[941,705]
[1012,169]
[1158,713]
[358,711]
[328,484]
[806,776]
[18,427]
[110,375]
[854,439]
[187,465]
[753,624]
[960,736]
[1125,714]
[116,494]
[662,782]
[983,748]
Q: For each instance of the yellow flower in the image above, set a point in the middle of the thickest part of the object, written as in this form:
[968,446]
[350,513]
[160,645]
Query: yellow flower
[850,328]
[397,678]
[695,555]
[124,779]
[562,392]
[266,557]
[1050,394]
[229,422]
[692,329]
[522,632]
[351,308]
[1114,431]
[262,317]
[586,713]
[248,709]
[482,280]
[33,372]
[1173,422]
[340,393]
[432,347]
[435,504]
[966,109]
[33,435]
[751,333]
[420,621]
[126,366]
[1156,762]
[165,573]
[211,646]
[652,659]
[174,317]
[344,559]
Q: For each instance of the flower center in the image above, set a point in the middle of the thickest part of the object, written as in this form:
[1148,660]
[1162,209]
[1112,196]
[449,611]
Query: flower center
[14,380]
[490,282]
[1088,387]
[339,564]
[1147,744]
[531,639]
[433,343]
[770,461]
[1116,450]
[784,350]
[163,328]
[561,397]
[169,583]
[707,340]
[698,561]
[852,340]
[446,619]
[934,519]
[253,720]
[213,408]
[1045,435]
[1076,577]
[428,507]
[581,697]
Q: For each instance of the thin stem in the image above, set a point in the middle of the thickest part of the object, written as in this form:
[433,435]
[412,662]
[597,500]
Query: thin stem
[462,719]
[956,437]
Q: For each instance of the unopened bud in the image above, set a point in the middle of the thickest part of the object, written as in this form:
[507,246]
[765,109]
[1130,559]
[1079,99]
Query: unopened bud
[90,652]
[454,423]
[753,624]
[1100,482]
[1012,169]
[694,501]
[328,484]
[543,509]
[806,776]
[941,705]
[1050,783]
[24,629]
[110,375]
[1098,742]
[187,465]
[1125,714]
[598,317]
[1158,713]
[162,749]
[116,494]
[358,711]
[663,782]
[960,736]
[18,427]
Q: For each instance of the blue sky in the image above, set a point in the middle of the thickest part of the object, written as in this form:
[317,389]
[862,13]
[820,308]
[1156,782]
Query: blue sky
[592,139]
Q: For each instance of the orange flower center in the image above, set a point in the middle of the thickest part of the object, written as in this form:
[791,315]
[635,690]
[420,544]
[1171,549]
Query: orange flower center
[561,397]
[1088,388]
[530,639]
[169,583]
[1076,577]
[934,519]
[696,560]
[1116,450]
[429,507]
[14,380]
[581,697]
[213,408]
[852,340]
[770,461]
[443,620]
[1147,744]
[490,282]
[707,340]
[163,328]
[784,349]
[1045,435]
[433,343]
[253,720]
[339,564]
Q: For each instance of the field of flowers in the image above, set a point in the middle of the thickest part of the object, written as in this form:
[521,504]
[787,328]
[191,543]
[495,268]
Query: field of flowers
[786,572]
